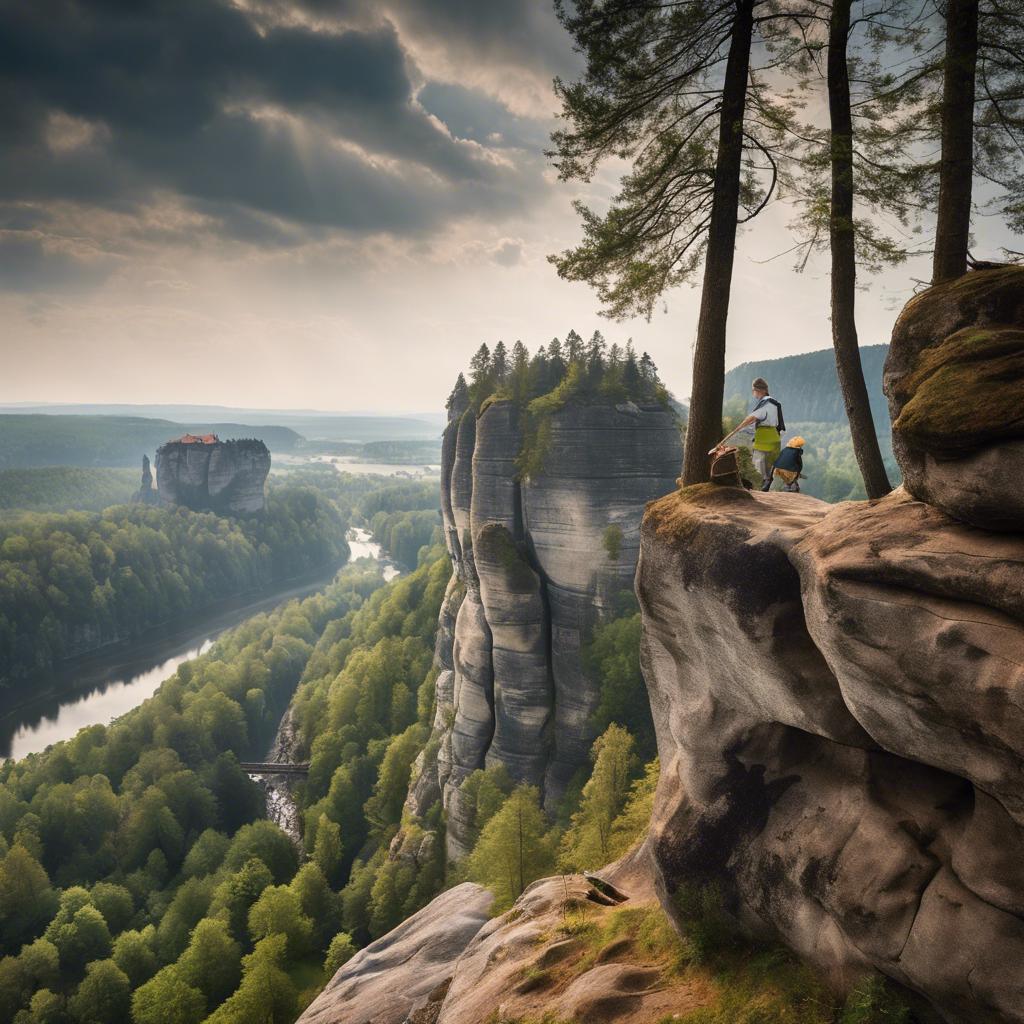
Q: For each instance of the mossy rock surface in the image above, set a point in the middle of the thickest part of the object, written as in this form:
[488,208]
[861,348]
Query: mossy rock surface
[496,546]
[981,297]
[965,392]
[679,516]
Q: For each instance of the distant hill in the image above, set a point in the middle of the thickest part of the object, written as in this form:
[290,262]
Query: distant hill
[808,388]
[309,423]
[80,440]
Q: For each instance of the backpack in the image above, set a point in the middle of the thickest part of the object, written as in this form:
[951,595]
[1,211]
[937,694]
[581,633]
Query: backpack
[778,409]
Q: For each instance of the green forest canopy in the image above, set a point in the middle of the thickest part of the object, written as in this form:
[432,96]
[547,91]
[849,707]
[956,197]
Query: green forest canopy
[72,581]
[61,488]
[139,849]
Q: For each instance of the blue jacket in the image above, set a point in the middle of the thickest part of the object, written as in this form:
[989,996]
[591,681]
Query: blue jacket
[791,459]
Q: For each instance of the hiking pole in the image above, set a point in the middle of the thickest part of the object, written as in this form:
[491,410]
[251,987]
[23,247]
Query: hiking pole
[721,444]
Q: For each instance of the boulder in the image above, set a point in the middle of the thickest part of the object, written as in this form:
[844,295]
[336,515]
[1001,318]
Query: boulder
[954,376]
[396,976]
[837,697]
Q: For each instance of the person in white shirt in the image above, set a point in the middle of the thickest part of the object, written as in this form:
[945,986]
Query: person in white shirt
[766,419]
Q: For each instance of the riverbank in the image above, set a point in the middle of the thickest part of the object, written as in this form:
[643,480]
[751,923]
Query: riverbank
[99,687]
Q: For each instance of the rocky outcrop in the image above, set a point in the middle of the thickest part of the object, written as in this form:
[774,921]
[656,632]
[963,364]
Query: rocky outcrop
[954,377]
[838,693]
[146,494]
[209,475]
[542,960]
[399,974]
[538,561]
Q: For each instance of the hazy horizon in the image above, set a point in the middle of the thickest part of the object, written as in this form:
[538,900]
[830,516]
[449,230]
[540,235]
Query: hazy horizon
[300,204]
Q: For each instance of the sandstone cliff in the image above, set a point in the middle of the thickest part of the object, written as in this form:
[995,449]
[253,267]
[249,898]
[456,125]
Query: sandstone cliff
[207,474]
[146,494]
[537,562]
[837,690]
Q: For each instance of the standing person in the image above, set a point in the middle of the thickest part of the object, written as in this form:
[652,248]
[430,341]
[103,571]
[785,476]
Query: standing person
[766,419]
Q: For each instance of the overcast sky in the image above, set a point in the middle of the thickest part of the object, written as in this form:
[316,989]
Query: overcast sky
[314,203]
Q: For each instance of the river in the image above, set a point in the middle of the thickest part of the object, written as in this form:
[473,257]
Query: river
[281,806]
[102,687]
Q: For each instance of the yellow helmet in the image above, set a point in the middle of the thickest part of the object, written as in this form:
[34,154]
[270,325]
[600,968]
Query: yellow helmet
[796,442]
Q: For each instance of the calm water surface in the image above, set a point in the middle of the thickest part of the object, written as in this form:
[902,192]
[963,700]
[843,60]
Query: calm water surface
[97,690]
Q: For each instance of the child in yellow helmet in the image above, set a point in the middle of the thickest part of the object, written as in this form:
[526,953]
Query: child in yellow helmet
[790,463]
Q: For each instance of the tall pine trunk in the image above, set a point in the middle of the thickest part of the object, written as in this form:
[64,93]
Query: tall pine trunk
[956,170]
[844,264]
[704,427]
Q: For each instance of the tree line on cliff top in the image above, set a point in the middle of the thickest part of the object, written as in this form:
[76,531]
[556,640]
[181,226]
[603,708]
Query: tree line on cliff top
[591,371]
[707,102]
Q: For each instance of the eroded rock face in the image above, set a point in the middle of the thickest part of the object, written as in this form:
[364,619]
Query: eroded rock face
[146,495]
[226,477]
[954,377]
[396,975]
[837,693]
[538,563]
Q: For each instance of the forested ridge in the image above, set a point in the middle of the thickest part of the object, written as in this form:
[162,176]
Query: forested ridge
[60,488]
[57,440]
[71,582]
[139,881]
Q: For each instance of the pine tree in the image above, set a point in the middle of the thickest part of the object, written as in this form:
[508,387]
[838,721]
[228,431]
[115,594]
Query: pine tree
[519,375]
[459,398]
[499,364]
[573,348]
[843,241]
[557,367]
[956,166]
[631,379]
[669,84]
[481,376]
[595,358]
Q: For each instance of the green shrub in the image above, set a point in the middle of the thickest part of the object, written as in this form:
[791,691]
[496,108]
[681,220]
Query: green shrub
[612,541]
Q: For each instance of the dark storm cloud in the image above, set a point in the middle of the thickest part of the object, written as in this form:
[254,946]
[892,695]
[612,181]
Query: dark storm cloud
[472,116]
[524,32]
[105,102]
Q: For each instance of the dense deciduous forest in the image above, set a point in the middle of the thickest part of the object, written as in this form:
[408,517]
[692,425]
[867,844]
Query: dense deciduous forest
[60,488]
[363,712]
[138,880]
[73,581]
